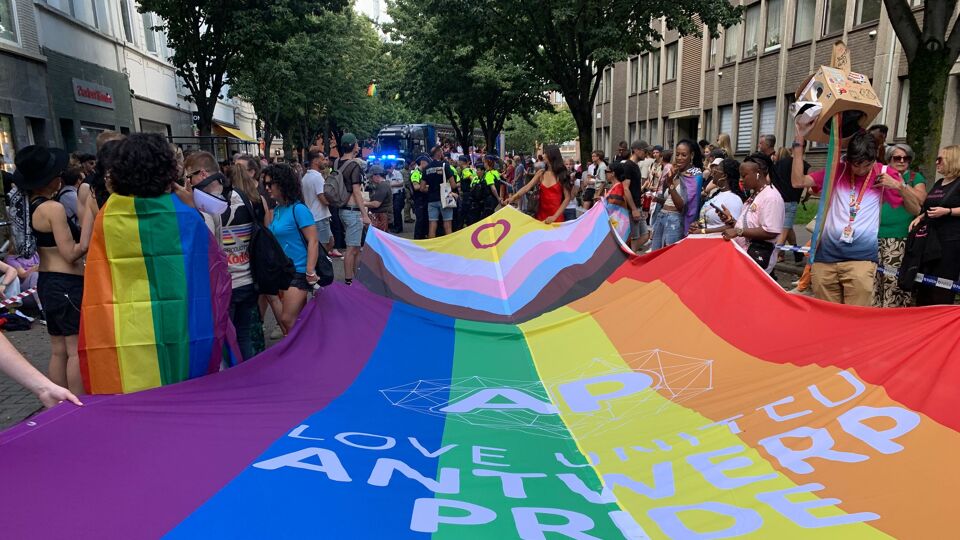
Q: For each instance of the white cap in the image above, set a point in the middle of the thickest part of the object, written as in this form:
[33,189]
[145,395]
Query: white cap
[717,161]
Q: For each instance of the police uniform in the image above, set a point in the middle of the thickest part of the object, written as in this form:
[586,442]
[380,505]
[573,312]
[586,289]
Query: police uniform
[420,228]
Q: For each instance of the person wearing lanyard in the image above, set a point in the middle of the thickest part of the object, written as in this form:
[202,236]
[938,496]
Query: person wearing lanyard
[845,266]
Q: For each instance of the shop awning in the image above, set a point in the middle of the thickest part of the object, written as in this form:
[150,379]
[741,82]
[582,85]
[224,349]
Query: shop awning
[234,132]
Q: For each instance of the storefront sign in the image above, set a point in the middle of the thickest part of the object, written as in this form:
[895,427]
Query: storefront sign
[92,94]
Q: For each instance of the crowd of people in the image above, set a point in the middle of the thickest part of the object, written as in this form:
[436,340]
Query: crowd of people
[880,215]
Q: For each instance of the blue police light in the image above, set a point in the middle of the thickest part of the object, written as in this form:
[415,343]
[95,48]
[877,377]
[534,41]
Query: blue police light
[392,156]
[371,157]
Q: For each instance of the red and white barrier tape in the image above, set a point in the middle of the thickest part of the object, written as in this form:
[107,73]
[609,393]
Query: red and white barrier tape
[17,298]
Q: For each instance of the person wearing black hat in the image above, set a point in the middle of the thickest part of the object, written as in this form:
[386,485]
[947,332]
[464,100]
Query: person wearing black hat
[61,246]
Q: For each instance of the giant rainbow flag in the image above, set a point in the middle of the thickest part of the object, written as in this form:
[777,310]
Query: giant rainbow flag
[683,396]
[156,297]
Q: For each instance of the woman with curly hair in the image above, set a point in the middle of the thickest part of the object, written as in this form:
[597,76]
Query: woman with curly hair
[294,228]
[157,293]
[61,245]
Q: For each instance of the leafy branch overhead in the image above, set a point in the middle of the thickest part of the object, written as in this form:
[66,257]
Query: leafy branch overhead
[211,38]
[568,43]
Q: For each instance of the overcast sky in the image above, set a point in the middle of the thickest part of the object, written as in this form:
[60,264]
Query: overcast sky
[370,8]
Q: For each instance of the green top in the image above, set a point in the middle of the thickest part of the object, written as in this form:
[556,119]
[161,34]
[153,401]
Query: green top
[491,177]
[416,176]
[894,221]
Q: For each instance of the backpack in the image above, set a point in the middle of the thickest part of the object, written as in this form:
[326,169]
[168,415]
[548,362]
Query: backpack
[334,188]
[272,270]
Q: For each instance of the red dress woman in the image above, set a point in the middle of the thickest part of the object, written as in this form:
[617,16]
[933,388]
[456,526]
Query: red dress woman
[556,187]
[551,199]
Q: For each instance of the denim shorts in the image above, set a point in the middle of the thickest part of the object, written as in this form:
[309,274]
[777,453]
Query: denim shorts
[323,231]
[352,226]
[789,214]
[435,209]
[637,229]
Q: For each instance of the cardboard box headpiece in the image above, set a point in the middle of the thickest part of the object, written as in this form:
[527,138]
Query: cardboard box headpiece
[837,91]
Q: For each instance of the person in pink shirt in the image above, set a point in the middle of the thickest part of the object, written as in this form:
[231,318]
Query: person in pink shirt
[761,219]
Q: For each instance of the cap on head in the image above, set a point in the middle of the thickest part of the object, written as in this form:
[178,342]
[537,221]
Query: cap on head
[348,139]
[376,170]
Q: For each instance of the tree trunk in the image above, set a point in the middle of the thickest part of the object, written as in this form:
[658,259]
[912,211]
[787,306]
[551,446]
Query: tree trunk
[583,116]
[929,74]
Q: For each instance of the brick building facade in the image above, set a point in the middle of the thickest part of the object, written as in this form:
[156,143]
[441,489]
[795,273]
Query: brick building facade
[742,81]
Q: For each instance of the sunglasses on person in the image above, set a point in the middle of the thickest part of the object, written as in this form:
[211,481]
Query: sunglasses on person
[901,159]
[194,173]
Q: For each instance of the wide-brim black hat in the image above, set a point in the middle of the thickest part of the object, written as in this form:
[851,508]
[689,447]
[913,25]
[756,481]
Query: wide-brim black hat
[38,165]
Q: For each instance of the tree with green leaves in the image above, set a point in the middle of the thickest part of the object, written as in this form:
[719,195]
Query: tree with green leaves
[448,72]
[931,53]
[210,37]
[545,127]
[316,82]
[570,42]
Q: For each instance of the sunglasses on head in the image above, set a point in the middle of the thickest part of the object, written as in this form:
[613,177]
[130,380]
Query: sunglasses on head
[901,159]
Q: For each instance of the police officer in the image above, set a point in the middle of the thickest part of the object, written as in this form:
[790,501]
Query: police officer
[483,189]
[420,228]
[466,174]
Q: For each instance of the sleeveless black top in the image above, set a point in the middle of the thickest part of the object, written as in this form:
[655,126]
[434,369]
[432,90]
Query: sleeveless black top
[46,239]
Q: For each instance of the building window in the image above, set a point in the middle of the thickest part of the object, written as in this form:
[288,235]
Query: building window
[634,75]
[744,127]
[607,84]
[768,117]
[903,110]
[645,73]
[707,126]
[149,126]
[672,60]
[655,68]
[654,132]
[751,24]
[668,131]
[836,13]
[7,151]
[101,21]
[8,22]
[149,34]
[867,11]
[126,20]
[726,119]
[712,54]
[731,43]
[642,130]
[774,18]
[803,26]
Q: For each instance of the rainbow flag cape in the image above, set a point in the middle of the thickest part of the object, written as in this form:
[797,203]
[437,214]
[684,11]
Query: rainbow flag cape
[683,396]
[156,298]
[371,90]
[834,150]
